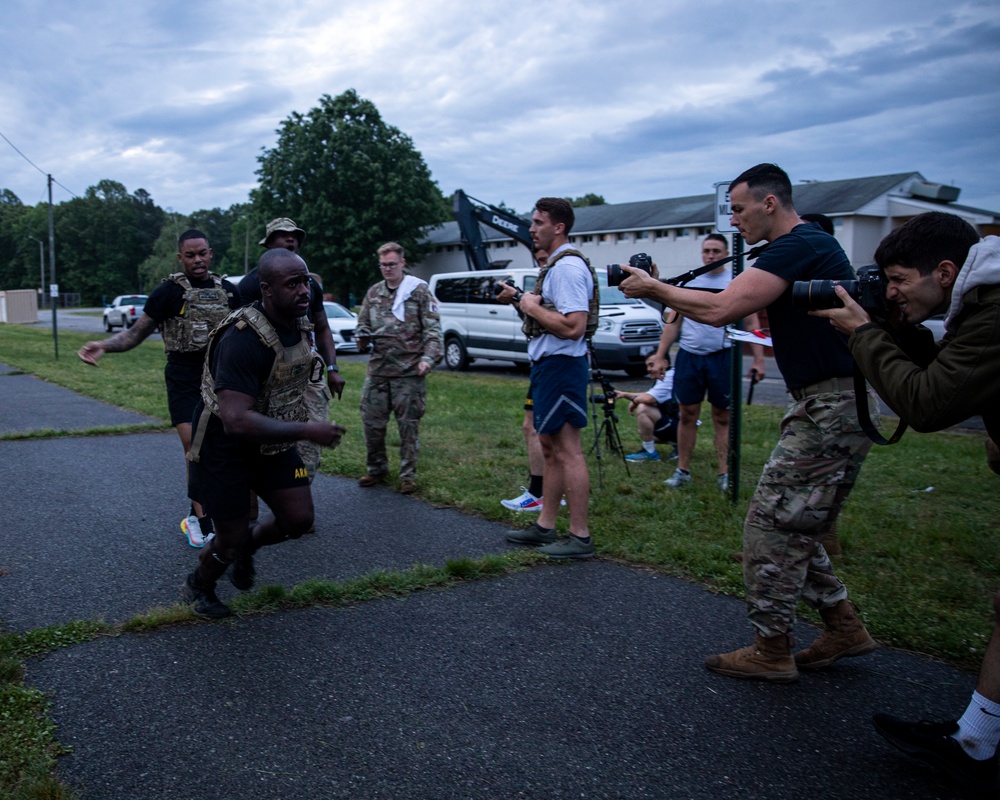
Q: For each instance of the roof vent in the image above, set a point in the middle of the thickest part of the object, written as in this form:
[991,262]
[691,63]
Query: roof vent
[934,191]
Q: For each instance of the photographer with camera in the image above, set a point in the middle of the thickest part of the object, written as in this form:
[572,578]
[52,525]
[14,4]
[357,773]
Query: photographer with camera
[703,367]
[532,495]
[655,411]
[822,446]
[932,264]
[559,312]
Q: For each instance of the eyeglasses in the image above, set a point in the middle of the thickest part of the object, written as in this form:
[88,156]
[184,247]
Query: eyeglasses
[389,265]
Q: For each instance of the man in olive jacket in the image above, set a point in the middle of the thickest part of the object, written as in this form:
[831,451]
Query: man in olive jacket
[936,263]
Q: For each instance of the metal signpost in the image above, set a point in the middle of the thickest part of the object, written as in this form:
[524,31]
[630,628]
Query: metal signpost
[722,214]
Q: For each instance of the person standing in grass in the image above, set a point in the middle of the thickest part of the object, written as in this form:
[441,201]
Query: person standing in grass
[559,313]
[703,367]
[399,320]
[532,495]
[822,446]
[932,264]
[246,423]
[186,307]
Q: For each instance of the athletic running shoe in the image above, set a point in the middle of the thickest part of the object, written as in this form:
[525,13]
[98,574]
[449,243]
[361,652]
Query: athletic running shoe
[526,502]
[642,455]
[191,528]
[933,743]
[679,479]
[569,546]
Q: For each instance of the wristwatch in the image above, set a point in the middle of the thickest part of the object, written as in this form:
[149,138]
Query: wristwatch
[332,368]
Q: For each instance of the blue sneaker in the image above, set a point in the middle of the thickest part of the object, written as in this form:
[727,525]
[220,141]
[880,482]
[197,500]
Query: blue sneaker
[642,455]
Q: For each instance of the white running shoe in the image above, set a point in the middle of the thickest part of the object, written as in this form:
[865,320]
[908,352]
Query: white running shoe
[526,502]
[191,528]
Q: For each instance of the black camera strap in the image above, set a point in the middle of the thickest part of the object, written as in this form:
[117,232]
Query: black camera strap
[865,418]
[690,275]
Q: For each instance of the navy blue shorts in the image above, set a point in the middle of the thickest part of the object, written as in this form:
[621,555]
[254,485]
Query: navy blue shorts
[694,375]
[559,393]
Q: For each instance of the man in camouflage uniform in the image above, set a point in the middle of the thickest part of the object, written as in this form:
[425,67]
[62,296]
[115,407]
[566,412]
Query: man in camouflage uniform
[816,461]
[186,306]
[400,321]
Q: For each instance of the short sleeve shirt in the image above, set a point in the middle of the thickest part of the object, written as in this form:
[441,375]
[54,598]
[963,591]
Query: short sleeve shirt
[568,285]
[807,349]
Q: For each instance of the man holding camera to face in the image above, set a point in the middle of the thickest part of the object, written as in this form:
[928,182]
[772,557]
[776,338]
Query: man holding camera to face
[822,446]
[932,264]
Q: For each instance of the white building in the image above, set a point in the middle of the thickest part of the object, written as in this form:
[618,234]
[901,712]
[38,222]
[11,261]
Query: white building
[863,211]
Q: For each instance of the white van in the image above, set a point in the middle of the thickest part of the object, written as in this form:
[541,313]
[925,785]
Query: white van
[475,325]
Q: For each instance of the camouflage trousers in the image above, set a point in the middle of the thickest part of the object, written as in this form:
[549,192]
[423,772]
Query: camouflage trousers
[801,491]
[317,399]
[407,399]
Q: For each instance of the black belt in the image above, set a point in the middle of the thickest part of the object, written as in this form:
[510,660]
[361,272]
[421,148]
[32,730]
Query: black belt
[829,386]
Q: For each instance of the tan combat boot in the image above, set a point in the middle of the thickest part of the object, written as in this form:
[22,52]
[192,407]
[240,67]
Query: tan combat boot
[766,660]
[844,636]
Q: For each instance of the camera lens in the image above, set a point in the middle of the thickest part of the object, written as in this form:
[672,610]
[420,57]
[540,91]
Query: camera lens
[809,295]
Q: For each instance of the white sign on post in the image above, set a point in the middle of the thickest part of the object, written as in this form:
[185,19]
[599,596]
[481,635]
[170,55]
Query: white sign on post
[722,209]
[53,290]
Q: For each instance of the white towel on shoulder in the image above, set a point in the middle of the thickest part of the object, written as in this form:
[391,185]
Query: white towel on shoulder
[403,292]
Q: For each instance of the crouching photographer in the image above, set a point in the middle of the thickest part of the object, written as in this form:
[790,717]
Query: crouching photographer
[655,411]
[936,263]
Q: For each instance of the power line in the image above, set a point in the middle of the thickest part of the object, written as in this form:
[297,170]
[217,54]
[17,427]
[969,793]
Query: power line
[46,174]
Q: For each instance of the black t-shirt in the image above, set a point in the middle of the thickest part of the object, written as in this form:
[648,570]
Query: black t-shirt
[249,289]
[807,349]
[240,362]
[167,300]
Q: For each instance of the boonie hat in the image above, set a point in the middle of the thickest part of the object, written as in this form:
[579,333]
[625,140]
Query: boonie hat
[283,224]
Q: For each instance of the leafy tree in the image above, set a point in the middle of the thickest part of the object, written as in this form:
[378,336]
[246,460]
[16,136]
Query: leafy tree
[589,199]
[102,238]
[162,261]
[13,243]
[352,182]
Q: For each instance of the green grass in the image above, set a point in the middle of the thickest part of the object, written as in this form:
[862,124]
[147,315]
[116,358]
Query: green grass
[922,566]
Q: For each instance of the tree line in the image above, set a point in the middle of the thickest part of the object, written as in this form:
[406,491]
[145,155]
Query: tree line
[348,178]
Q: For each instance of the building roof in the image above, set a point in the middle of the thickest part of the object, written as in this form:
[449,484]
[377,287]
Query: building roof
[833,198]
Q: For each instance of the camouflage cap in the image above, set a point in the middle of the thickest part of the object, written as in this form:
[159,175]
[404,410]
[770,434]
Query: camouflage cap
[283,224]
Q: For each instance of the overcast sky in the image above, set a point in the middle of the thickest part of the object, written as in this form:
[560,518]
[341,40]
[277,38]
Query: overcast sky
[508,101]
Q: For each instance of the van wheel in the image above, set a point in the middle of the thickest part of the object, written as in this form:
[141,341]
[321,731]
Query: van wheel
[455,355]
[107,325]
[636,370]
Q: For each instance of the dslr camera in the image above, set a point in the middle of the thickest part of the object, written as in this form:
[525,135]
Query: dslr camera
[498,287]
[638,261]
[868,291]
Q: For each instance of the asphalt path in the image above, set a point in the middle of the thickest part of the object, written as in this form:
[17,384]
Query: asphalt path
[577,680]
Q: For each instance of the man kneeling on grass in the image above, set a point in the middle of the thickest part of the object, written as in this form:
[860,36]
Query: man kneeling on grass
[250,416]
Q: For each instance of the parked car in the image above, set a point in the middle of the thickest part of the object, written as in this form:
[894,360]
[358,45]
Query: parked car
[475,325]
[343,321]
[124,311]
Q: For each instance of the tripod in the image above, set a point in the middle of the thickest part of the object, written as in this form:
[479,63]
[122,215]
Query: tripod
[608,427]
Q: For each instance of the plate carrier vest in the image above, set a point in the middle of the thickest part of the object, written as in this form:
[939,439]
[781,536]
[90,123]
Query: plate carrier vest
[201,311]
[533,327]
[281,396]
